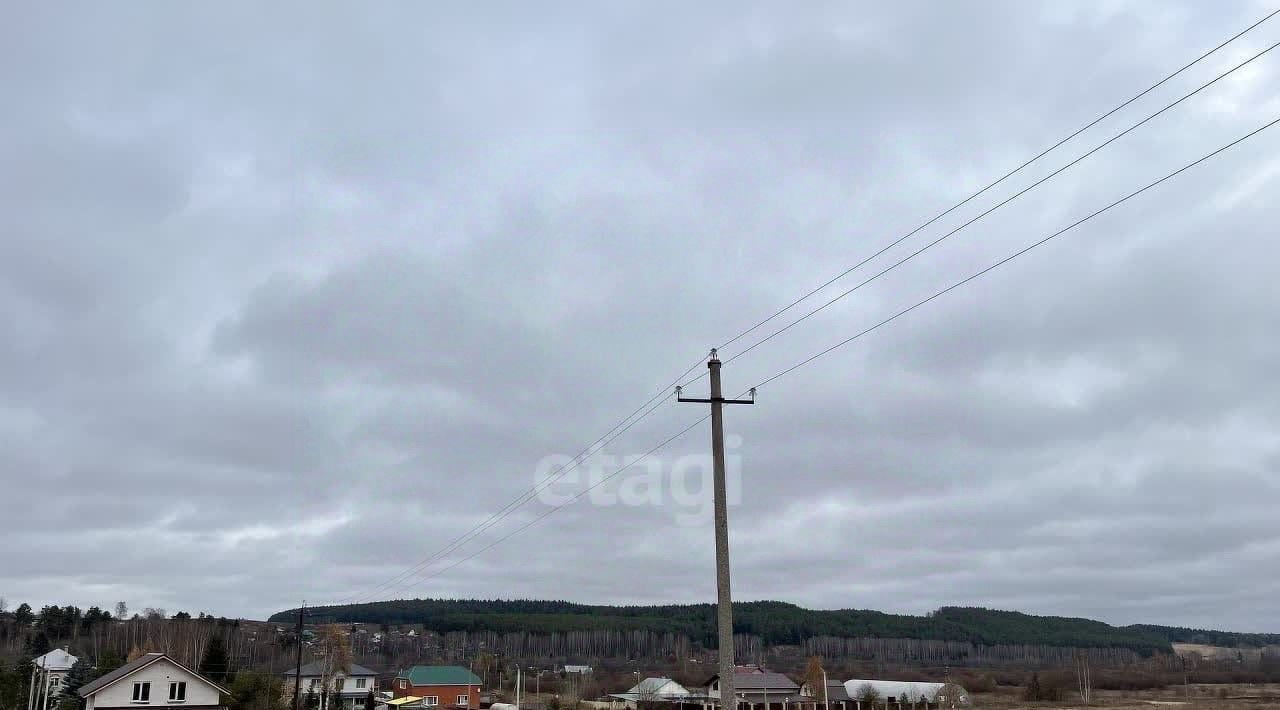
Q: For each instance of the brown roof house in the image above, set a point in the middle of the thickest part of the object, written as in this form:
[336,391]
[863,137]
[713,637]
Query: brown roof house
[153,680]
[756,688]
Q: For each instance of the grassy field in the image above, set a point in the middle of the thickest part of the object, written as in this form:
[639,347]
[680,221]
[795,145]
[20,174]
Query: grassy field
[1202,697]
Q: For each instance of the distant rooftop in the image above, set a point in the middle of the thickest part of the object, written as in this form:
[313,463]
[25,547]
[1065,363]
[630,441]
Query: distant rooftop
[439,675]
[317,669]
[56,660]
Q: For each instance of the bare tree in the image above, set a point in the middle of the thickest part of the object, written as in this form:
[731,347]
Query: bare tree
[813,677]
[122,610]
[336,648]
[868,694]
[1083,681]
[647,697]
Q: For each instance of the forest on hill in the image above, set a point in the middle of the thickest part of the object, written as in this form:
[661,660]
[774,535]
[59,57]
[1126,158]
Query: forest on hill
[773,623]
[1229,639]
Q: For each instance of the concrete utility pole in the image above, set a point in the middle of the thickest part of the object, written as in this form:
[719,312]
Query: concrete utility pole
[31,689]
[826,697]
[297,678]
[42,693]
[724,600]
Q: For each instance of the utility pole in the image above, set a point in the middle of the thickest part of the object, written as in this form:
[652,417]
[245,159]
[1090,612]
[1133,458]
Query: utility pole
[1186,687]
[42,694]
[297,678]
[31,689]
[826,697]
[724,599]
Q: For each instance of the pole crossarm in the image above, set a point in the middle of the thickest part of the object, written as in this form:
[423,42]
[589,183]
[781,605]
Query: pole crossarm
[713,400]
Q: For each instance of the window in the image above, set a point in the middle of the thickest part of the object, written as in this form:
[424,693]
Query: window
[464,701]
[431,700]
[142,692]
[360,682]
[178,692]
[402,683]
[315,683]
[338,683]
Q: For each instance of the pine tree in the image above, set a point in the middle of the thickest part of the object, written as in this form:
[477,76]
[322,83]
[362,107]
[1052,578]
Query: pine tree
[109,661]
[79,674]
[37,644]
[214,664]
[12,686]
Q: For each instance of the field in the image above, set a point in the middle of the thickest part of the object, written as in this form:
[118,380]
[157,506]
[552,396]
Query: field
[1202,697]
[1223,653]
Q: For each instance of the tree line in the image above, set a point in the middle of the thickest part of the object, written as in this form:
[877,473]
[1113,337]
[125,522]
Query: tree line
[774,623]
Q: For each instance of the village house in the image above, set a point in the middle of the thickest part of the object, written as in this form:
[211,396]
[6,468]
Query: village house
[153,680]
[450,686]
[836,697]
[54,667]
[757,689]
[654,689]
[352,686]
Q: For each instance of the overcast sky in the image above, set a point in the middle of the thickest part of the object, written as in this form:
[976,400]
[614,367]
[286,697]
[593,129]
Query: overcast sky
[292,298]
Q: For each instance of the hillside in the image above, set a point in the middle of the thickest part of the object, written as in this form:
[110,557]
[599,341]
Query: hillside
[1227,639]
[774,623]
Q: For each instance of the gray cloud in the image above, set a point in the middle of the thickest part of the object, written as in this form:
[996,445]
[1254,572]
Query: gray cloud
[296,298]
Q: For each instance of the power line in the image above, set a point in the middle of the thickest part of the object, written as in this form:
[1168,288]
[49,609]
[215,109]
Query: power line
[574,499]
[846,341]
[1001,179]
[610,435]
[1019,253]
[404,577]
[527,495]
[998,205]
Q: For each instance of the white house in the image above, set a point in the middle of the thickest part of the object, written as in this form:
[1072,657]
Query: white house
[153,680]
[352,685]
[653,689]
[53,667]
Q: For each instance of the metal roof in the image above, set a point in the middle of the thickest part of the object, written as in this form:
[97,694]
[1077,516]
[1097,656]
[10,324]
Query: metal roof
[56,660]
[439,675]
[757,680]
[317,669]
[900,688]
[835,691]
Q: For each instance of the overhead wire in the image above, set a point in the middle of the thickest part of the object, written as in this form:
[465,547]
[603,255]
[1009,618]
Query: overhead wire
[886,321]
[1016,254]
[998,205]
[627,422]
[999,180]
[595,447]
